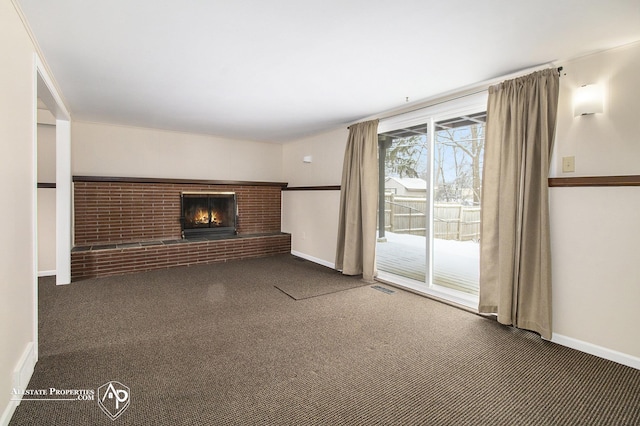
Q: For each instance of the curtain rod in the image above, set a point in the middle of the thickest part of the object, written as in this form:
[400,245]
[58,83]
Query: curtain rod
[558,69]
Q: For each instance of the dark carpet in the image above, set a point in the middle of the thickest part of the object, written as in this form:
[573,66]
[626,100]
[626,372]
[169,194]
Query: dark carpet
[325,281]
[220,345]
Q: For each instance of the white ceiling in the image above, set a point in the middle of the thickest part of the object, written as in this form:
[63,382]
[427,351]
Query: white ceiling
[276,70]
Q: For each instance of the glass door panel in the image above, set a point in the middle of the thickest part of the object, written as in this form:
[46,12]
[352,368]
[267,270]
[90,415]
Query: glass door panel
[430,204]
[457,179]
[404,203]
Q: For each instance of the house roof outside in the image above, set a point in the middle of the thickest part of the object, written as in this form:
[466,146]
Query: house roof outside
[410,184]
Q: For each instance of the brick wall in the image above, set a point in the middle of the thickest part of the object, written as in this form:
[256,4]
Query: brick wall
[110,213]
[122,212]
[102,263]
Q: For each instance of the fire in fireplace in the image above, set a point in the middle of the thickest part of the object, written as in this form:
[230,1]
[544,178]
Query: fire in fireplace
[208,214]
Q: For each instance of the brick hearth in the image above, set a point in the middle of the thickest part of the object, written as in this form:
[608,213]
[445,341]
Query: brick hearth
[127,225]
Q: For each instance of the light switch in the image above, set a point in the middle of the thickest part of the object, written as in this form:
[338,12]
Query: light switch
[568,164]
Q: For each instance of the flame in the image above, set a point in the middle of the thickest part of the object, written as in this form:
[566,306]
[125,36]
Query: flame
[201,217]
[216,218]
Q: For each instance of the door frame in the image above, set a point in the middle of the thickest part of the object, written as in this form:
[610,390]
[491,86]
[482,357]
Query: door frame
[431,114]
[45,90]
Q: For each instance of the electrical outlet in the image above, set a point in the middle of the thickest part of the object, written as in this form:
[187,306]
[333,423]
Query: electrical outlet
[568,164]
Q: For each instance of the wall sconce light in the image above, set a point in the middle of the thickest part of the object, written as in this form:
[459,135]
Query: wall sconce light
[307,159]
[588,99]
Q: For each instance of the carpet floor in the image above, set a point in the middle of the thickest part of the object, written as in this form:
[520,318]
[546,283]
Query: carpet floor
[221,345]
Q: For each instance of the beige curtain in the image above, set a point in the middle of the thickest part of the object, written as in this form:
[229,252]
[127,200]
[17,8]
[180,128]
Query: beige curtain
[515,259]
[355,253]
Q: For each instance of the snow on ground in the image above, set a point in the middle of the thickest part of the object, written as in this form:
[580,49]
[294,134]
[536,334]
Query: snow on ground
[456,264]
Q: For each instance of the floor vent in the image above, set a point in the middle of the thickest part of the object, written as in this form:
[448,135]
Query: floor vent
[382,289]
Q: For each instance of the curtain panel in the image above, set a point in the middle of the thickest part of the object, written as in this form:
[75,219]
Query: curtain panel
[515,257]
[355,253]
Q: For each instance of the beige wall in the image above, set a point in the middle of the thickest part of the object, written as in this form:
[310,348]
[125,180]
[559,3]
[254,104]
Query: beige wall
[603,144]
[17,269]
[327,153]
[596,231]
[110,150]
[312,216]
[46,153]
[46,199]
[46,231]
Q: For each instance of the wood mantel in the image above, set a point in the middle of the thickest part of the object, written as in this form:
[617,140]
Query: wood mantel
[116,179]
[627,180]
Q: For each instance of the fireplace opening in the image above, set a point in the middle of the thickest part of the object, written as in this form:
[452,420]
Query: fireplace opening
[208,214]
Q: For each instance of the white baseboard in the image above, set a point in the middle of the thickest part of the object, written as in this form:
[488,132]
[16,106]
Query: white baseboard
[590,348]
[24,369]
[314,259]
[599,351]
[8,413]
[21,376]
[46,273]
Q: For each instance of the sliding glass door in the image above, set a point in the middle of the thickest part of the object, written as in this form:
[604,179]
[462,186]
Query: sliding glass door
[430,201]
[403,196]
[457,180]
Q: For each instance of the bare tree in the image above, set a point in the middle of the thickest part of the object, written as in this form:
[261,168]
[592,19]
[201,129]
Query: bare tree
[457,161]
[466,148]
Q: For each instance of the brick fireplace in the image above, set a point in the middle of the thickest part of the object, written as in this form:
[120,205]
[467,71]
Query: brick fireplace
[208,214]
[126,225]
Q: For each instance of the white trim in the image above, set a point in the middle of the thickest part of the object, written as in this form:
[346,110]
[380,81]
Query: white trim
[464,105]
[428,247]
[8,412]
[314,259]
[49,95]
[470,303]
[24,369]
[21,375]
[46,273]
[52,100]
[458,298]
[467,303]
[63,202]
[44,89]
[460,106]
[34,203]
[441,293]
[599,351]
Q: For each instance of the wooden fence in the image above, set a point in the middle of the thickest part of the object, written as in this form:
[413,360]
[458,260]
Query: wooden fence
[406,215]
